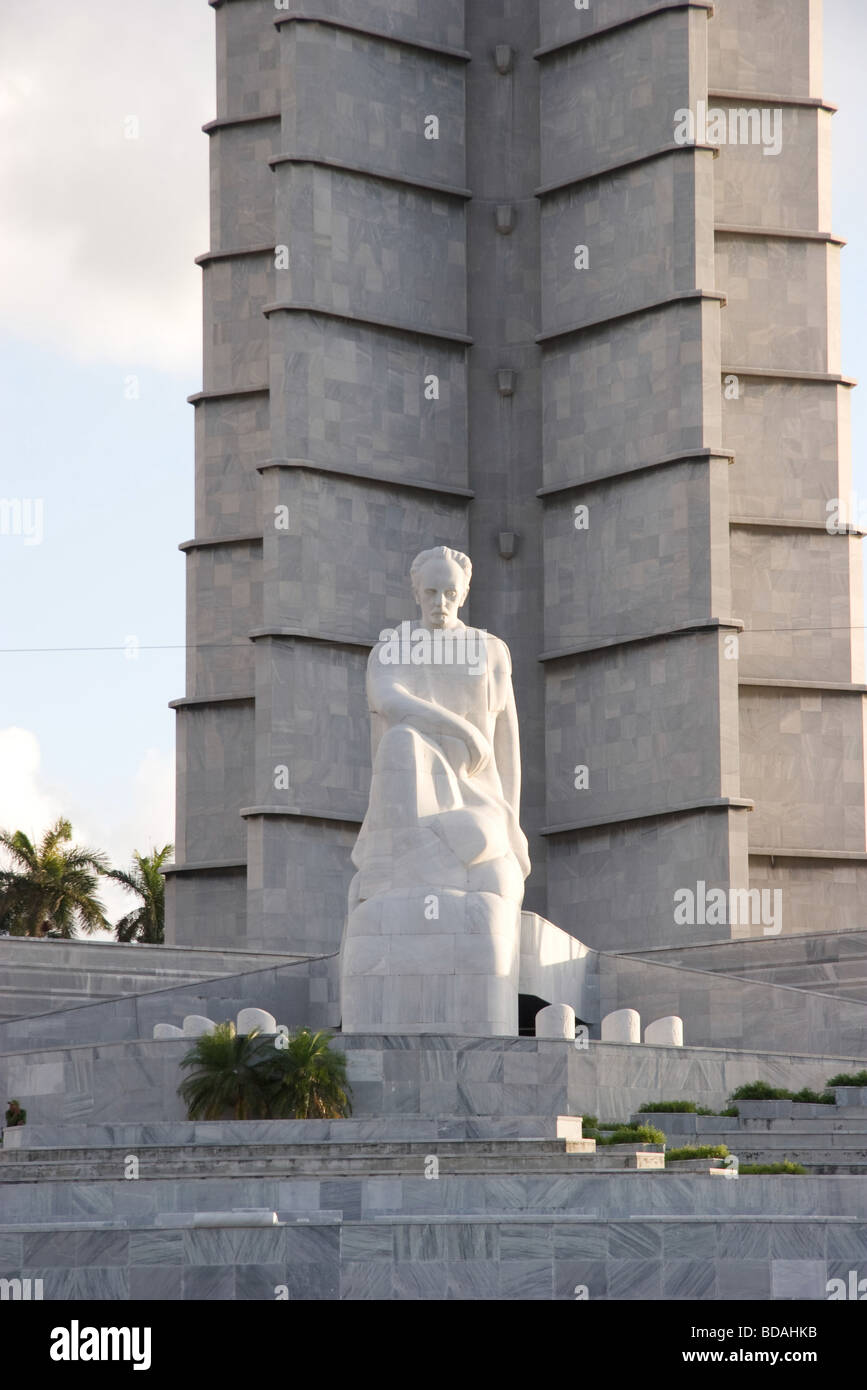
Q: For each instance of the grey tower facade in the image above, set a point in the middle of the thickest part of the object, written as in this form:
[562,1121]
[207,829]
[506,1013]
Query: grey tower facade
[468,285]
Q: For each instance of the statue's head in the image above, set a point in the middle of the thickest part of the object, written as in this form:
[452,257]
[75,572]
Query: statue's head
[440,583]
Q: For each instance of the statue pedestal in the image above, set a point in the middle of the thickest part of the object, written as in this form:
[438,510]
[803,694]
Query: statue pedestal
[417,961]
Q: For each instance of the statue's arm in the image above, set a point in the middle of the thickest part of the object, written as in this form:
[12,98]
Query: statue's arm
[507,750]
[388,697]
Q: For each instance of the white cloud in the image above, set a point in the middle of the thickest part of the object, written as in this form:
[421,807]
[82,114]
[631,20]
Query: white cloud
[29,803]
[98,232]
[26,802]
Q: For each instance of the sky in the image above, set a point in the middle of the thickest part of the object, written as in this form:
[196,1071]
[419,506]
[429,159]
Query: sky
[103,207]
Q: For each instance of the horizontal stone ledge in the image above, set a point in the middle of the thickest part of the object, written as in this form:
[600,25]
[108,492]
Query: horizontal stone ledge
[204,866]
[777,234]
[650,13]
[296,813]
[621,165]
[843,856]
[197,544]
[510,1217]
[684,297]
[226,122]
[464,493]
[682,630]
[781,523]
[208,257]
[190,701]
[666,461]
[772,99]
[717,803]
[449,190]
[228,394]
[789,374]
[330,639]
[347,317]
[331,22]
[832,687]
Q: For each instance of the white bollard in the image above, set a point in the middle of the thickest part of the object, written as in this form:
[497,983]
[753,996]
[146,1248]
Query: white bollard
[167,1030]
[667,1032]
[556,1021]
[624,1025]
[248,1019]
[196,1024]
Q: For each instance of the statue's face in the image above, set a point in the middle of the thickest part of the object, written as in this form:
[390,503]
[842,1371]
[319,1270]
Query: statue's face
[440,590]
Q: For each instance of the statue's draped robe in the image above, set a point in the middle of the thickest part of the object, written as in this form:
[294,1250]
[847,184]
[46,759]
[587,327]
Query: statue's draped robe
[429,825]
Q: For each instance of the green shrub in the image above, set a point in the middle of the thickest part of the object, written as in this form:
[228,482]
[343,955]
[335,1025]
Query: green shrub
[670,1107]
[15,1115]
[853,1078]
[703,1110]
[792,1168]
[732,1112]
[251,1076]
[760,1090]
[808,1097]
[697,1151]
[589,1122]
[632,1134]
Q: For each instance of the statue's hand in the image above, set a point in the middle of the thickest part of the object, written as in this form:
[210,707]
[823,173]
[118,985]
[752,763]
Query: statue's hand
[479,749]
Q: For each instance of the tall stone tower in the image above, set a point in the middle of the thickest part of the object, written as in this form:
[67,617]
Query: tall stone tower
[473,281]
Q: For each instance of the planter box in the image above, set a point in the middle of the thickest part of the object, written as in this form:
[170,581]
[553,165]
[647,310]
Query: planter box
[682,1122]
[851,1095]
[783,1110]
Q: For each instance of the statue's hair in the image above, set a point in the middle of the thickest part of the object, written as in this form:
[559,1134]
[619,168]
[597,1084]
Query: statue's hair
[440,552]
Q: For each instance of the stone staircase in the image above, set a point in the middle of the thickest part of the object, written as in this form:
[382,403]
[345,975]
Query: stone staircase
[316,1149]
[824,1139]
[514,1208]
[39,977]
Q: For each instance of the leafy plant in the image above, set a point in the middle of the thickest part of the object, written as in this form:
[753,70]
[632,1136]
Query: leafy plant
[793,1168]
[52,889]
[308,1080]
[632,1134]
[808,1097]
[671,1107]
[228,1076]
[696,1151]
[145,923]
[255,1077]
[15,1115]
[732,1112]
[857,1078]
[761,1090]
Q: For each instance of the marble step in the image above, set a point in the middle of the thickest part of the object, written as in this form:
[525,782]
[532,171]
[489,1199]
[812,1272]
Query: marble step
[626,1194]
[471,1158]
[825,1118]
[840,1123]
[854,1156]
[381,1128]
[810,1142]
[212,1153]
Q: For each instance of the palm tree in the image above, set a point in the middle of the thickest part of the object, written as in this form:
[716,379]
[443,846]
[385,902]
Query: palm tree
[309,1079]
[147,922]
[228,1077]
[52,887]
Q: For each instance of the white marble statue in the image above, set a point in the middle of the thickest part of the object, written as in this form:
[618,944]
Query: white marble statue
[432,936]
